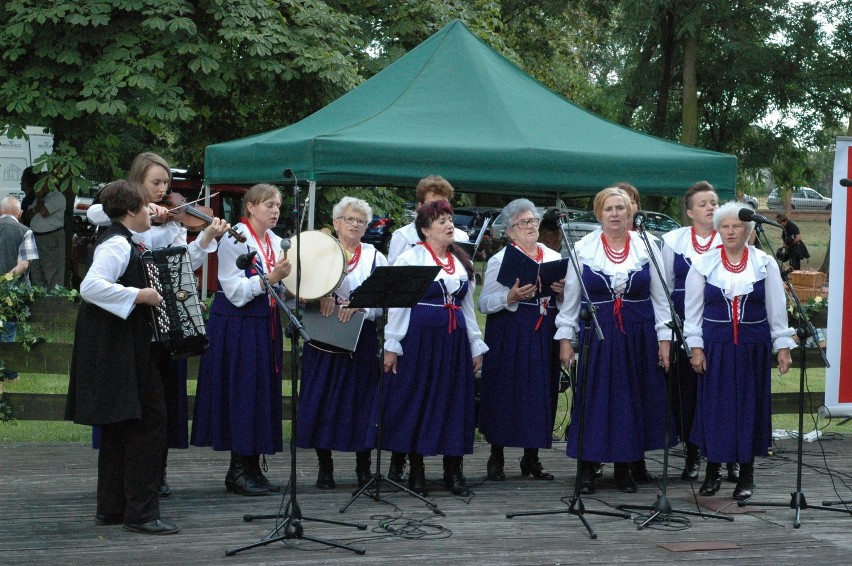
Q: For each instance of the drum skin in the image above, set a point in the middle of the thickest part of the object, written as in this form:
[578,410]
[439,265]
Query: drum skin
[323,264]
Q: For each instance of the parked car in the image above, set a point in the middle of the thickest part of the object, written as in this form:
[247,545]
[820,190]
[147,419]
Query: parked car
[749,200]
[379,232]
[802,198]
[656,223]
[471,219]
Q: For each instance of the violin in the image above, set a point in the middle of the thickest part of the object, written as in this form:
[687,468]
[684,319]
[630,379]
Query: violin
[194,218]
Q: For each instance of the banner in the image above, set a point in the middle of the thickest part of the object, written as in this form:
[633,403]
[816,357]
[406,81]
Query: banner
[838,378]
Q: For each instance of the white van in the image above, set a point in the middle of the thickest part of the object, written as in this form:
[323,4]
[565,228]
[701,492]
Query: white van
[16,154]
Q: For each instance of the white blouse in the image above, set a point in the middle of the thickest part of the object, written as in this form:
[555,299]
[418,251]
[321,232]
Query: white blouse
[494,296]
[169,234]
[406,237]
[708,268]
[590,252]
[238,288]
[680,242]
[100,286]
[398,319]
[359,274]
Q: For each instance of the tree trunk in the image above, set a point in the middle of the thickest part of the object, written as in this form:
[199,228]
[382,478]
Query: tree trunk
[689,132]
[667,41]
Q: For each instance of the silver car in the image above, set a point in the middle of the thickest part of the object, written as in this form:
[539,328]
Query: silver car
[803,198]
[656,223]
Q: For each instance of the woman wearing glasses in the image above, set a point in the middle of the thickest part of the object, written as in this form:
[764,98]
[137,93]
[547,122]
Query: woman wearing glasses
[516,387]
[624,386]
[339,389]
[432,352]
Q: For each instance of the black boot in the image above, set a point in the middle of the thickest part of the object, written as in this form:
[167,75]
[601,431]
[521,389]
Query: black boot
[624,478]
[397,466]
[745,485]
[164,490]
[733,472]
[587,478]
[362,467]
[257,474]
[325,475]
[417,474]
[639,471]
[496,464]
[693,463]
[239,479]
[712,479]
[530,466]
[454,477]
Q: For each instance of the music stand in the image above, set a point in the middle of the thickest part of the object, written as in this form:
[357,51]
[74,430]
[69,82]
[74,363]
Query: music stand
[399,286]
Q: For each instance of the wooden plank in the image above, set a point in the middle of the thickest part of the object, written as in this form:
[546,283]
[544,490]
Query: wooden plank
[51,406]
[41,358]
[57,311]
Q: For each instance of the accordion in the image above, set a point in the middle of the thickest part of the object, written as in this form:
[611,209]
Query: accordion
[178,324]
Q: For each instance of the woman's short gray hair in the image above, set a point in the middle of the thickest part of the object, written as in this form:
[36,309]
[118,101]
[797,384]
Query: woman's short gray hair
[731,210]
[515,208]
[355,204]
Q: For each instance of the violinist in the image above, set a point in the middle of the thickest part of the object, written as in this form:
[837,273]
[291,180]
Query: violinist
[153,172]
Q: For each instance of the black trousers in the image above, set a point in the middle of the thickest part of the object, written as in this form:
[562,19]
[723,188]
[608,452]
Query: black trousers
[130,458]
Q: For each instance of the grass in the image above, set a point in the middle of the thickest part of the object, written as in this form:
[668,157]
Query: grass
[815,234]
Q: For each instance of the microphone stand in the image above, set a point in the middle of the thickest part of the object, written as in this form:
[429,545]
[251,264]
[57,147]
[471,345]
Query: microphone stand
[291,527]
[576,505]
[662,508]
[804,330]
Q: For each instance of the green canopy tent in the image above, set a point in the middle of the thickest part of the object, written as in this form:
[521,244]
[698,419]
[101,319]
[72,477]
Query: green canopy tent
[455,107]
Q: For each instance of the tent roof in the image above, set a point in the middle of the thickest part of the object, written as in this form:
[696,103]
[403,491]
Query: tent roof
[455,107]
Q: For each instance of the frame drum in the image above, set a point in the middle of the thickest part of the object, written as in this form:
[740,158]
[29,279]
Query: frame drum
[325,270]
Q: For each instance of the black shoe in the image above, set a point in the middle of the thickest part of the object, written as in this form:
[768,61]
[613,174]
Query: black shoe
[325,474]
[103,519]
[690,471]
[733,472]
[362,468]
[745,485]
[396,471]
[164,490]
[712,479]
[257,474]
[453,476]
[587,478]
[240,479]
[417,475]
[496,467]
[530,466]
[624,480]
[155,527]
[639,471]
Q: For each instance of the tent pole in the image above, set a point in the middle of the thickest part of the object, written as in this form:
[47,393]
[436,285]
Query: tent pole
[312,198]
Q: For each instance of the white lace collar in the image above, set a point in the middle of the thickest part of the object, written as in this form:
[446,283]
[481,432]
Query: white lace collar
[680,241]
[591,252]
[732,284]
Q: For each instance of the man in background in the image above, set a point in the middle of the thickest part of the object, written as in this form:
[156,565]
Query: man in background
[47,221]
[17,250]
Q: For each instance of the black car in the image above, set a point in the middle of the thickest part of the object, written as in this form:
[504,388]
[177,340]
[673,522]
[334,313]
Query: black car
[470,219]
[379,233]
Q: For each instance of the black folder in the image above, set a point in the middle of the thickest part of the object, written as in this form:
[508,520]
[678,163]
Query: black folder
[518,265]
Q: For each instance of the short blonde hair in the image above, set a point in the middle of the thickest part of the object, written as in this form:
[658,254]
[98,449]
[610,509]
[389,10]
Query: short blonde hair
[258,194]
[601,197]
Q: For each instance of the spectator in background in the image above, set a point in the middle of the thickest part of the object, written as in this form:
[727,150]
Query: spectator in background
[17,249]
[47,221]
[792,236]
[633,193]
[28,179]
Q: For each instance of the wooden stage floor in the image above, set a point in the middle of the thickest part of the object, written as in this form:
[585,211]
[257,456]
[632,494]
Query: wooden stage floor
[48,506]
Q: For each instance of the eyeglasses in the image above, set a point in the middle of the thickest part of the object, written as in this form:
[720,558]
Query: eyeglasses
[352,220]
[534,222]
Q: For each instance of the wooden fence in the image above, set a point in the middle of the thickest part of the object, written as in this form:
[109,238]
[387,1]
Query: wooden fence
[55,358]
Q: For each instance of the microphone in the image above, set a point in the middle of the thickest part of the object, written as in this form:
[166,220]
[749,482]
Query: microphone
[748,215]
[639,220]
[244,261]
[288,173]
[846,182]
[285,245]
